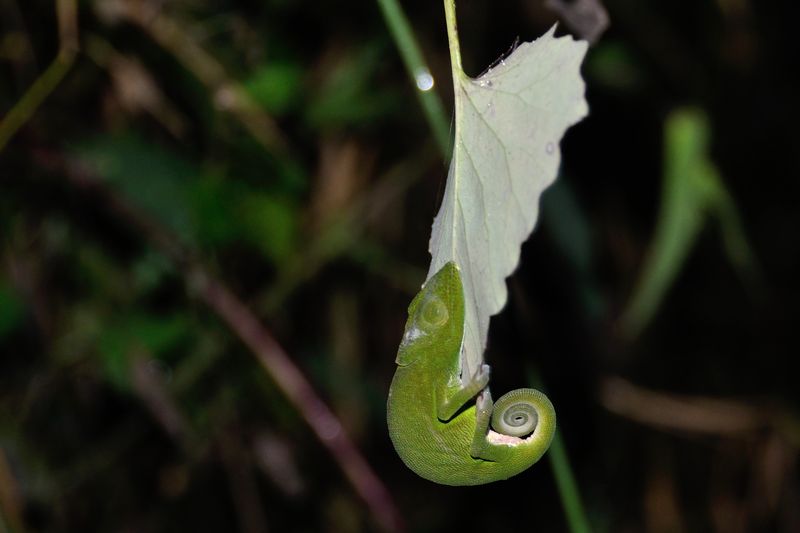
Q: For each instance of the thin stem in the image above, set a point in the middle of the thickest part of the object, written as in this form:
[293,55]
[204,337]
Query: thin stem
[567,488]
[416,67]
[45,84]
[562,471]
[452,40]
[301,394]
[23,110]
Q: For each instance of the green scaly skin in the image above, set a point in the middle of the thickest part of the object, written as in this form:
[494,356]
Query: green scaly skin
[433,430]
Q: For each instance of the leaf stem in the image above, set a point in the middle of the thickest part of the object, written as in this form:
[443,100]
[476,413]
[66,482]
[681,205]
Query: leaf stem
[567,488]
[452,40]
[562,472]
[406,43]
[417,69]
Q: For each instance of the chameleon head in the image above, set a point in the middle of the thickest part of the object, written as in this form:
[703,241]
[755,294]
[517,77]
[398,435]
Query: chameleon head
[435,314]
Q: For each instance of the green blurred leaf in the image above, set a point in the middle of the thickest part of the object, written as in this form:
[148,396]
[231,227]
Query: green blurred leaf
[612,64]
[692,191]
[154,180]
[213,201]
[150,334]
[269,223]
[348,94]
[149,270]
[201,208]
[276,86]
[228,211]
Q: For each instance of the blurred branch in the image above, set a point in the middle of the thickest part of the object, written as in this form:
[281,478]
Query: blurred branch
[299,392]
[67,13]
[241,320]
[148,382]
[661,504]
[274,457]
[227,94]
[135,88]
[10,499]
[695,414]
[242,482]
[418,71]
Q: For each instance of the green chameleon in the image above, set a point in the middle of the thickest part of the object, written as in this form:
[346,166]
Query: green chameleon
[435,432]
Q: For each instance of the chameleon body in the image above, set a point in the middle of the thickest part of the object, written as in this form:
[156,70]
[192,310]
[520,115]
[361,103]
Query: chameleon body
[435,429]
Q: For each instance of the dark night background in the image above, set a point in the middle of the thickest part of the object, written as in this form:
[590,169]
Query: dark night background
[272,153]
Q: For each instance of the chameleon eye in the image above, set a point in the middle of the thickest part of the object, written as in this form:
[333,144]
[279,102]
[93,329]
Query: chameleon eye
[434,313]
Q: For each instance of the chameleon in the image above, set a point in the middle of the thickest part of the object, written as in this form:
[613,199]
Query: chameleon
[435,429]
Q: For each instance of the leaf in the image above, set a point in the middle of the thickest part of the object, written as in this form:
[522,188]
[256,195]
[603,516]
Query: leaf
[276,86]
[151,178]
[126,334]
[693,190]
[347,95]
[199,206]
[226,211]
[508,126]
[270,224]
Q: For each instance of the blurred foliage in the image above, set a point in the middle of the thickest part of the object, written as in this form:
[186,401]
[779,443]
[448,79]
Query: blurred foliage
[276,87]
[282,146]
[11,310]
[200,208]
[692,191]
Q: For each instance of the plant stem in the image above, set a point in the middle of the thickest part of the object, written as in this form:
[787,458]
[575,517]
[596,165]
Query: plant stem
[24,109]
[452,40]
[417,69]
[567,488]
[562,471]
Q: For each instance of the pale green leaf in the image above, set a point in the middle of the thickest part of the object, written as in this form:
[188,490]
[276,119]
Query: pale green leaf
[508,126]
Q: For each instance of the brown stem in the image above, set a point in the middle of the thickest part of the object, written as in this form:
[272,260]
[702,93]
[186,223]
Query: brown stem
[300,393]
[11,503]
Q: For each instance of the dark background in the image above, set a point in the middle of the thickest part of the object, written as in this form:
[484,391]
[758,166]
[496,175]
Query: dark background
[278,147]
